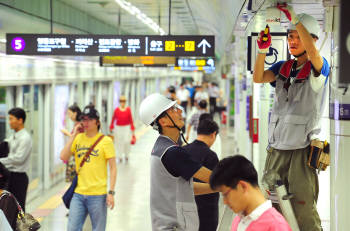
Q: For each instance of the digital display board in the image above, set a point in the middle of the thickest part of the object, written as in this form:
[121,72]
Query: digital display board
[195,64]
[154,61]
[109,45]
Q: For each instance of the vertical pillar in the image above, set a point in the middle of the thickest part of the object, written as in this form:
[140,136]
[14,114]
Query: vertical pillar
[340,125]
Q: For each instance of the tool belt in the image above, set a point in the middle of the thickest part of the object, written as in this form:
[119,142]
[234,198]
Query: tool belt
[319,157]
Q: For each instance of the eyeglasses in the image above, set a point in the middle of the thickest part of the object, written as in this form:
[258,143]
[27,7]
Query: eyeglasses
[225,194]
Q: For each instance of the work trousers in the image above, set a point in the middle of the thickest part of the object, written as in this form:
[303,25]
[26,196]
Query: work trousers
[18,185]
[301,181]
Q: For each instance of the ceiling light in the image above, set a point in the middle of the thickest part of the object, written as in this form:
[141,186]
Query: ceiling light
[133,10]
[2,40]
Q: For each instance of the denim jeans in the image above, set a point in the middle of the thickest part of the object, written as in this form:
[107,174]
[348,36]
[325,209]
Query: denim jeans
[81,206]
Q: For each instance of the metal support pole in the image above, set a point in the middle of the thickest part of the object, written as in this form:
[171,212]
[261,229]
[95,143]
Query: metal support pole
[169,18]
[119,21]
[340,122]
[51,22]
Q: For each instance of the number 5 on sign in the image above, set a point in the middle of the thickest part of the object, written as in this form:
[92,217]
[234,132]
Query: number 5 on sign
[169,45]
[18,44]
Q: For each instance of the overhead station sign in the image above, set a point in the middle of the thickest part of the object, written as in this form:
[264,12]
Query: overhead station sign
[206,64]
[109,45]
[154,61]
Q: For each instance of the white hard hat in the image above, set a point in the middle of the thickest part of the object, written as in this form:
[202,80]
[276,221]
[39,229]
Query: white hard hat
[152,106]
[310,23]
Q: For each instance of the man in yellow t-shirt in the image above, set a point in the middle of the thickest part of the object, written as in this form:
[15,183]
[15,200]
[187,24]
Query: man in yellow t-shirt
[90,195]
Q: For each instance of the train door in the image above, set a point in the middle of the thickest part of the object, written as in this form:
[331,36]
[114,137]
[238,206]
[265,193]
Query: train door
[30,98]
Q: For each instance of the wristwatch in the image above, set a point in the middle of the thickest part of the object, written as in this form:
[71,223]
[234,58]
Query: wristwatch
[111,192]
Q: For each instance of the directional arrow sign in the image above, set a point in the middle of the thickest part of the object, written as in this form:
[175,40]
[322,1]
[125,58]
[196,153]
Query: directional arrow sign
[110,45]
[205,44]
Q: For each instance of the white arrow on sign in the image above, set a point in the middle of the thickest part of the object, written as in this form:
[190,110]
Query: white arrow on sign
[204,43]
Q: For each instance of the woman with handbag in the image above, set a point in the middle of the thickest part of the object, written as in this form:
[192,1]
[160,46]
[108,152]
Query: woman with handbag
[74,113]
[92,152]
[124,126]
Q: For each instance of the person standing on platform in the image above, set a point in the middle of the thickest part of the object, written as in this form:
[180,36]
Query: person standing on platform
[173,206]
[18,159]
[201,94]
[237,179]
[90,195]
[74,113]
[294,122]
[192,91]
[214,94]
[184,96]
[124,129]
[194,120]
[216,146]
[207,205]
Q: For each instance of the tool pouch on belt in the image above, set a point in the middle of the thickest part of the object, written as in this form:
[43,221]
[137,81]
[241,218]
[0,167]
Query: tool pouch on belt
[319,157]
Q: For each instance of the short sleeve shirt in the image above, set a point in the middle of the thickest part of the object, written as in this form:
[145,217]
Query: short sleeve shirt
[92,179]
[316,81]
[178,162]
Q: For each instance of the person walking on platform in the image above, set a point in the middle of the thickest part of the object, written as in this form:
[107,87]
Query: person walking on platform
[207,205]
[294,122]
[216,146]
[214,94]
[237,179]
[184,96]
[201,94]
[173,206]
[194,120]
[90,195]
[18,159]
[124,129]
[74,113]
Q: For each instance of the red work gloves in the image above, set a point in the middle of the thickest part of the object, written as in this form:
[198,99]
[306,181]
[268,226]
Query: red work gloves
[264,41]
[289,12]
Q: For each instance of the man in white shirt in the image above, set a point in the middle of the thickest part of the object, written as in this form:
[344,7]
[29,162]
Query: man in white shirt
[201,94]
[237,179]
[214,94]
[184,96]
[17,161]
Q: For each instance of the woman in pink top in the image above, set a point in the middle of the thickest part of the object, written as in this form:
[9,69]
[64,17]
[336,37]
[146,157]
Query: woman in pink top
[237,179]
[124,126]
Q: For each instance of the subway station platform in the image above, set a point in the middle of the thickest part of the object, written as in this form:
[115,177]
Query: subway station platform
[132,210]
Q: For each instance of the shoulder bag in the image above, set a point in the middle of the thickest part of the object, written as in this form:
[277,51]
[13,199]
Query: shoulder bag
[68,195]
[25,221]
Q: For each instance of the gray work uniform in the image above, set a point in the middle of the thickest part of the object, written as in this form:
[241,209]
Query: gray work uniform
[293,123]
[173,206]
[295,115]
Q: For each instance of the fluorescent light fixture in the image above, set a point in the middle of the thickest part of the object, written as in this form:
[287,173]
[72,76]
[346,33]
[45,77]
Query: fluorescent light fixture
[133,10]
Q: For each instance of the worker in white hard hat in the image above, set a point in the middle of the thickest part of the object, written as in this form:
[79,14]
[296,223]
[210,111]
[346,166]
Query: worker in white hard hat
[294,121]
[173,206]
